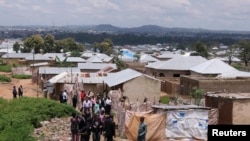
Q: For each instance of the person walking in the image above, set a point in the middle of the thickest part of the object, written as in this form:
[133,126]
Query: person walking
[14,92]
[20,91]
[74,100]
[109,128]
[74,127]
[142,131]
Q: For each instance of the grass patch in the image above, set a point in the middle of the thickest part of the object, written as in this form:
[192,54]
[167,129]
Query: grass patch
[19,117]
[21,76]
[4,78]
[5,68]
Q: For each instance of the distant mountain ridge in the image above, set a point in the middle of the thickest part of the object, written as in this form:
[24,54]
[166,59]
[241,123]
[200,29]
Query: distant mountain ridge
[150,29]
[154,29]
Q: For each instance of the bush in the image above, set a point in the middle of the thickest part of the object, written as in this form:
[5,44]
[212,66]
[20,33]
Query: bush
[21,116]
[21,76]
[164,100]
[5,68]
[4,78]
[197,94]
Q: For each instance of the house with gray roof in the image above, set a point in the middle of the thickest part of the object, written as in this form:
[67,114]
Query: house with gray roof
[87,81]
[15,58]
[53,55]
[212,67]
[94,59]
[167,55]
[37,58]
[45,73]
[73,60]
[174,67]
[95,67]
[135,85]
[147,58]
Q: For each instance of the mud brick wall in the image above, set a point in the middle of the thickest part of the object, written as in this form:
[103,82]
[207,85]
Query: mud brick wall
[214,85]
[170,87]
[187,84]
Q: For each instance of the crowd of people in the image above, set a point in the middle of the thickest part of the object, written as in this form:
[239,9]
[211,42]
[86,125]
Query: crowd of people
[95,119]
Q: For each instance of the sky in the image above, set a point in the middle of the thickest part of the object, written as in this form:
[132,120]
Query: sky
[205,14]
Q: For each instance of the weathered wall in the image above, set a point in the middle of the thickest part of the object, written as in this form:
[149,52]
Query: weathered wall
[187,84]
[225,107]
[170,85]
[241,114]
[214,85]
[142,87]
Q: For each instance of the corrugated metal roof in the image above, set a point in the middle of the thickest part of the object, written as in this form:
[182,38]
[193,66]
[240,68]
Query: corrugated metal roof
[96,66]
[53,55]
[234,74]
[168,55]
[87,78]
[121,77]
[179,63]
[147,58]
[73,59]
[56,70]
[16,55]
[94,59]
[213,66]
[39,64]
[37,57]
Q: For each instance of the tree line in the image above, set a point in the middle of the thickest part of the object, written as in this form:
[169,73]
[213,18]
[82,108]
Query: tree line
[104,43]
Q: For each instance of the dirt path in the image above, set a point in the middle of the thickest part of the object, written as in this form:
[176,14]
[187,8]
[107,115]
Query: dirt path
[29,89]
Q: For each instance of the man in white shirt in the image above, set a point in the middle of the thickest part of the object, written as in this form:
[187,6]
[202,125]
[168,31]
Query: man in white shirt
[65,96]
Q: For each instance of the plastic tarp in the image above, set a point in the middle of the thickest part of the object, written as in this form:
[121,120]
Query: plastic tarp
[155,125]
[57,77]
[192,123]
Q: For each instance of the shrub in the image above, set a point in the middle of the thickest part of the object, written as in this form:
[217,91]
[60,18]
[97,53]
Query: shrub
[21,116]
[21,76]
[14,65]
[164,100]
[4,78]
[197,94]
[5,68]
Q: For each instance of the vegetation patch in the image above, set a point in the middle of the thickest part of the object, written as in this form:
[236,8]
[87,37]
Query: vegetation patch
[164,100]
[22,76]
[4,78]
[19,117]
[5,68]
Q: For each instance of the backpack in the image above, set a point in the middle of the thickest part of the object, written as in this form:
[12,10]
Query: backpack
[74,125]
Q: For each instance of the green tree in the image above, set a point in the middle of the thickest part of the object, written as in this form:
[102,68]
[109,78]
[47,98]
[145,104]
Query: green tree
[244,51]
[201,49]
[16,47]
[49,43]
[33,42]
[68,44]
[106,46]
